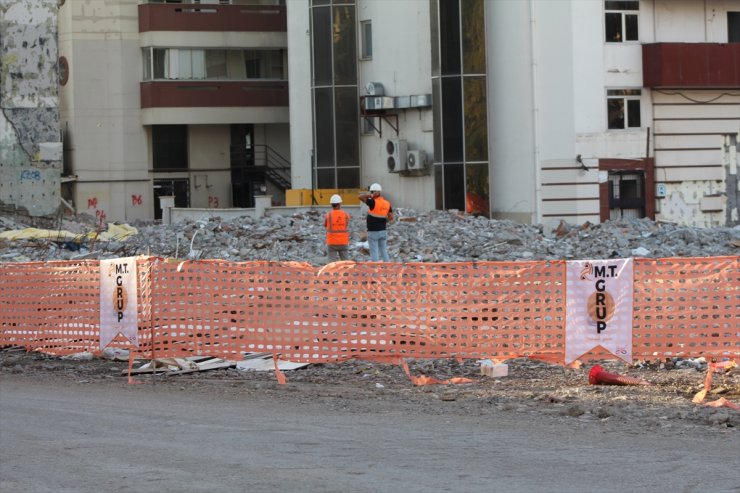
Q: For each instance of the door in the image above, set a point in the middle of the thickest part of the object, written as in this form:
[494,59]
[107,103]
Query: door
[242,165]
[175,187]
[626,195]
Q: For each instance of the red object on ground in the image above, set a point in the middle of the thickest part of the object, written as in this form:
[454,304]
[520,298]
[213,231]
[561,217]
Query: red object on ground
[597,376]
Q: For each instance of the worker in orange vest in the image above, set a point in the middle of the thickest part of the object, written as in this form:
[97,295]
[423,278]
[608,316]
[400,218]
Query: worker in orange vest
[336,222]
[379,213]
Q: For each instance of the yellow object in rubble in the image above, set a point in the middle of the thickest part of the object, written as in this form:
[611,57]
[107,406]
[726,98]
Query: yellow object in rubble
[114,232]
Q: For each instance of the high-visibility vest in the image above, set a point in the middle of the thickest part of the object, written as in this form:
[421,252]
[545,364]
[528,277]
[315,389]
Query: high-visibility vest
[381,209]
[337,227]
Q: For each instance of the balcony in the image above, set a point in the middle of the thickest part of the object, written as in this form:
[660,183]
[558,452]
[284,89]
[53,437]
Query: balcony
[691,65]
[211,17]
[211,94]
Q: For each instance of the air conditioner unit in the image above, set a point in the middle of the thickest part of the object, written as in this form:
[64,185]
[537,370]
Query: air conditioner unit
[396,153]
[417,160]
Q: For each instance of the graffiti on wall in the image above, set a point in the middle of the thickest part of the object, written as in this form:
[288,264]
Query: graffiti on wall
[30,151]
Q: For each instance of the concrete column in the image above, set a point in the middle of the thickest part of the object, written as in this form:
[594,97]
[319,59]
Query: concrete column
[166,203]
[261,203]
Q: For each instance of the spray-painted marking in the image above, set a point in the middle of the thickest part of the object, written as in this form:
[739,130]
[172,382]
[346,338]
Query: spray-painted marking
[30,175]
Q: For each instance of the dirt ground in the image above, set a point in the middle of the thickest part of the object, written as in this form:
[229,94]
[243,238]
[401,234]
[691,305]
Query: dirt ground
[532,388]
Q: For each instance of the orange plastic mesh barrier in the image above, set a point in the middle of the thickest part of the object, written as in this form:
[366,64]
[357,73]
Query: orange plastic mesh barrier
[682,307]
[54,307]
[350,310]
[686,307]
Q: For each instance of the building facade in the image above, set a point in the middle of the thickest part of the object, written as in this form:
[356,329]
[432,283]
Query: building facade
[531,110]
[180,99]
[540,110]
[30,147]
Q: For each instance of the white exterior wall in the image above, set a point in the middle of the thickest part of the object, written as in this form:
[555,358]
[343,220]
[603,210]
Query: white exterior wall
[512,105]
[402,62]
[549,69]
[687,21]
[101,109]
[688,137]
[299,68]
[108,132]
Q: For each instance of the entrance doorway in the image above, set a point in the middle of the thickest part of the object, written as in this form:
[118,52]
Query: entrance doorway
[626,195]
[174,187]
[629,190]
[242,165]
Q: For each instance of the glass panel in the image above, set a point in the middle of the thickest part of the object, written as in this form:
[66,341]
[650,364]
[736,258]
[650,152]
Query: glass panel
[449,33]
[434,28]
[324,125]
[147,58]
[345,49]
[367,39]
[454,187]
[452,121]
[199,64]
[325,178]
[320,2]
[633,113]
[476,121]
[159,63]
[474,37]
[215,64]
[348,177]
[622,5]
[437,115]
[169,147]
[613,27]
[321,46]
[477,198]
[235,65]
[733,27]
[253,64]
[615,112]
[630,22]
[347,117]
[185,67]
[438,188]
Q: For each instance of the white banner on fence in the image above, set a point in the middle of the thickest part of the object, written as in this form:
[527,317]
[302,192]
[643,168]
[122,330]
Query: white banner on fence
[599,307]
[118,305]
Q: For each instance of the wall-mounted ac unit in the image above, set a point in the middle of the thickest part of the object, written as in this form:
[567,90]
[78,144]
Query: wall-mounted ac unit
[417,160]
[396,154]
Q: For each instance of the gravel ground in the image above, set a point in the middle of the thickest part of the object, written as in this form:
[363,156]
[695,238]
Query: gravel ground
[531,388]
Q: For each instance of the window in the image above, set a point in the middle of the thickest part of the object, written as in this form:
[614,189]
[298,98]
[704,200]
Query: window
[620,20]
[733,27]
[195,64]
[169,147]
[369,124]
[366,44]
[623,108]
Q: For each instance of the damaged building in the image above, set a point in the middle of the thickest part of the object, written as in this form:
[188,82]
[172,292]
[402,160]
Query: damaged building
[30,147]
[531,110]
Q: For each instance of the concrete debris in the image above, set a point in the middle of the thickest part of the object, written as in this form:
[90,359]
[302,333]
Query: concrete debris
[437,236]
[179,366]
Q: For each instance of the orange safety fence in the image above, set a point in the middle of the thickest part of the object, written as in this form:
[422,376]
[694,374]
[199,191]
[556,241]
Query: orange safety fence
[685,307]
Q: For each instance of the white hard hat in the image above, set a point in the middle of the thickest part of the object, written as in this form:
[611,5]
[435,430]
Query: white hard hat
[375,187]
[335,199]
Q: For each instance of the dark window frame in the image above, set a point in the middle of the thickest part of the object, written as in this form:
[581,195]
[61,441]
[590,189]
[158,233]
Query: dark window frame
[170,148]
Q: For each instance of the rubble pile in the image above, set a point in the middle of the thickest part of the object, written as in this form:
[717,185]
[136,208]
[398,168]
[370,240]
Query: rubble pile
[437,236]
